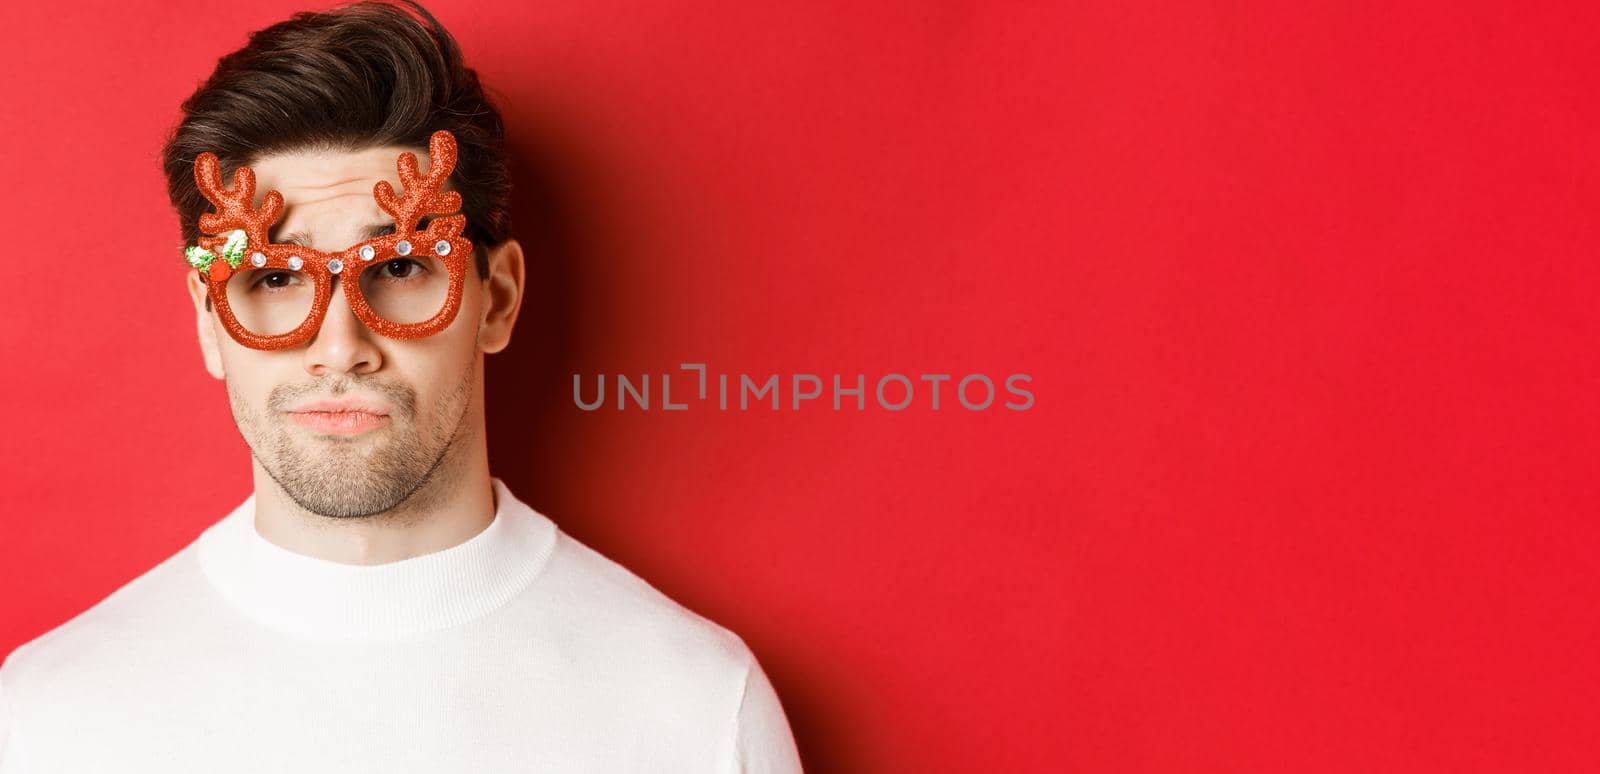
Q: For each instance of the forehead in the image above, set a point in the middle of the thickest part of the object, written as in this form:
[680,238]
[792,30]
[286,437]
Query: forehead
[327,194]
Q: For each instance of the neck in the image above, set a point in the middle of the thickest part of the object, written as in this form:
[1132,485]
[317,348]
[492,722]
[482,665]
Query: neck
[313,599]
[454,504]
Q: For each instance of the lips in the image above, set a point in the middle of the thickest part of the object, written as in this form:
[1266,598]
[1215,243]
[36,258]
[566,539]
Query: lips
[353,403]
[345,416]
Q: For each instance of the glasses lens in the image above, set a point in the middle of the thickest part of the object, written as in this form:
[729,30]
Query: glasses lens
[406,290]
[270,302]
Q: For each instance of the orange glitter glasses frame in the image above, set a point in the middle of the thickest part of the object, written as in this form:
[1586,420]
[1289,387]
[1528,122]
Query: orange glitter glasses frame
[274,296]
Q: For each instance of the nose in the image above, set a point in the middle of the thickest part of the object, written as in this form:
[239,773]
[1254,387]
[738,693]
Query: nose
[343,344]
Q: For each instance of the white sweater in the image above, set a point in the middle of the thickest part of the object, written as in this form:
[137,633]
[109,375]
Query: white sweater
[520,649]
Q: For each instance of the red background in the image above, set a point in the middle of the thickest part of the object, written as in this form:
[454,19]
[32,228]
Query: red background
[1307,293]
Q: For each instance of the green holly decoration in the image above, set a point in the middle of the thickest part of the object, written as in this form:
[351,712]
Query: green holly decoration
[233,249]
[198,257]
[232,252]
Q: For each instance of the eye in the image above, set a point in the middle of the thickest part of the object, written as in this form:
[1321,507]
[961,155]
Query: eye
[273,280]
[401,268]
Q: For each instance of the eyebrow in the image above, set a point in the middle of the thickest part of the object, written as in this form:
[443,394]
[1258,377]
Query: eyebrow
[373,231]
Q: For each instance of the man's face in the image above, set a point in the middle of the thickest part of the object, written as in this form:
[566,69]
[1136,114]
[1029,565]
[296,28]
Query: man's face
[350,423]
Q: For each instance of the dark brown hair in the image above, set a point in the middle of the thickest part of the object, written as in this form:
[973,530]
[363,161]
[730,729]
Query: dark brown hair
[363,75]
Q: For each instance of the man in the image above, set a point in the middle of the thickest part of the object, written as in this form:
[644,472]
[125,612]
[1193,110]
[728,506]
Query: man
[380,603]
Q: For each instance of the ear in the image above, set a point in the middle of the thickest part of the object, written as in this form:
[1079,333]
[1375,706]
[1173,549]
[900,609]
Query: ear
[205,324]
[502,297]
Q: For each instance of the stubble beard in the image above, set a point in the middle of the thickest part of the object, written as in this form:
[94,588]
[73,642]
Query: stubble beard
[354,477]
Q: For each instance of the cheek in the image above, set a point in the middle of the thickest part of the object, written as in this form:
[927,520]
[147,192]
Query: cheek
[441,377]
[446,358]
[250,375]
[471,309]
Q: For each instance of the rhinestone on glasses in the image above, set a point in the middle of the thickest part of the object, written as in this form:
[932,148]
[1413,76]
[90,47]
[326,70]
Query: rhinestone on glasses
[402,247]
[295,263]
[335,266]
[442,247]
[367,252]
[258,259]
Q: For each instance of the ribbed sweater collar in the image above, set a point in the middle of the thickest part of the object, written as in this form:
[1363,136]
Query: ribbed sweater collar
[331,601]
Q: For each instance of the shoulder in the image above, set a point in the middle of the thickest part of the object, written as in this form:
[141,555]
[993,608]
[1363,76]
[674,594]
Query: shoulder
[620,608]
[141,616]
[605,622]
[698,678]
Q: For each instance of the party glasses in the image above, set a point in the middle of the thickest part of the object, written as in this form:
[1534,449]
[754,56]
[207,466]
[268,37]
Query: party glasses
[273,296]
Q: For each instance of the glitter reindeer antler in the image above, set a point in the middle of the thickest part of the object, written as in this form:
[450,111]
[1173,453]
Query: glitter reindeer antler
[422,194]
[236,224]
[234,209]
